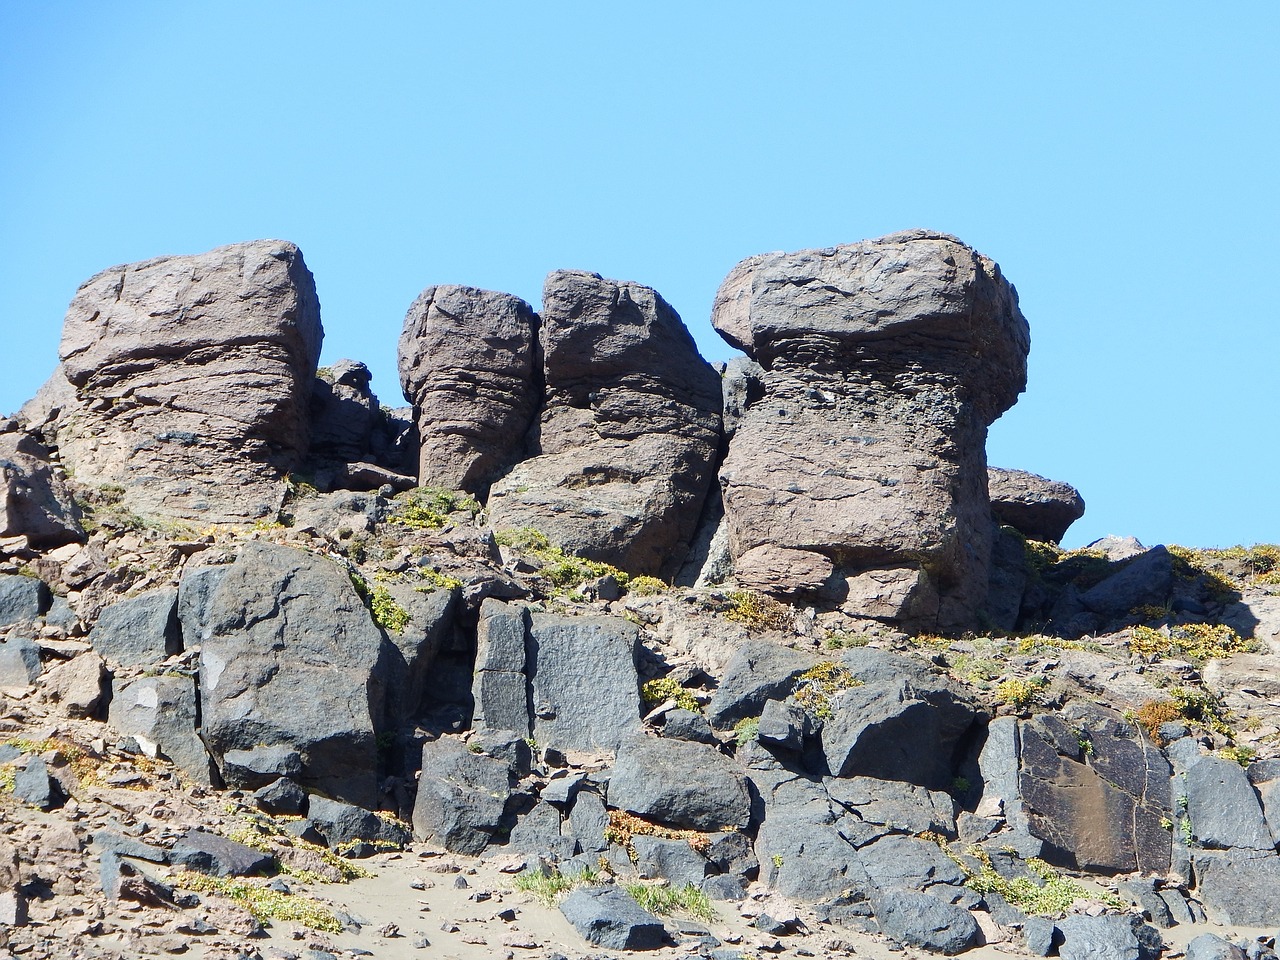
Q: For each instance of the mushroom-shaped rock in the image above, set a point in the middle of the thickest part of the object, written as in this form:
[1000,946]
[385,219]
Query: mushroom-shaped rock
[627,441]
[883,364]
[192,377]
[468,364]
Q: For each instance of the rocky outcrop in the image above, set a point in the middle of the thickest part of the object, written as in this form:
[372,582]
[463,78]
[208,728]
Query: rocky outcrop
[469,365]
[1037,508]
[292,659]
[883,364]
[627,440]
[192,377]
[35,503]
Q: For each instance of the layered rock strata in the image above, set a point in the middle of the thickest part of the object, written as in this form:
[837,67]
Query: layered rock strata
[626,443]
[883,364]
[192,377]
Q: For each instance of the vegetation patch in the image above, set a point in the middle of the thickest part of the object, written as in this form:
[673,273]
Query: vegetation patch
[664,899]
[268,835]
[263,902]
[1196,642]
[817,685]
[82,763]
[623,826]
[759,612]
[1190,706]
[428,508]
[666,688]
[550,887]
[645,586]
[746,730]
[1054,895]
[387,613]
[1021,694]
[564,571]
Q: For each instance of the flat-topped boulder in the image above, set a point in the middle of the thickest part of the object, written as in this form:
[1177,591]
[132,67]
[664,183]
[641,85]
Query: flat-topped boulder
[192,377]
[1037,508]
[625,446]
[883,363]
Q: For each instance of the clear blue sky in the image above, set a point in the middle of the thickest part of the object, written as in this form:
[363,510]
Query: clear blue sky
[1118,160]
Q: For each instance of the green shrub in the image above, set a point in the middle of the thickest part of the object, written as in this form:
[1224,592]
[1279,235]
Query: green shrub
[1196,642]
[746,730]
[662,899]
[666,688]
[387,613]
[816,686]
[644,586]
[1021,694]
[428,508]
[759,612]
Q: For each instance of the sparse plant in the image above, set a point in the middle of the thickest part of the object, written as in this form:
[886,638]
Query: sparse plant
[759,612]
[387,613]
[662,899]
[746,730]
[623,826]
[645,586]
[428,508]
[1193,706]
[1021,694]
[564,571]
[667,688]
[1240,754]
[264,902]
[549,887]
[1196,642]
[816,686]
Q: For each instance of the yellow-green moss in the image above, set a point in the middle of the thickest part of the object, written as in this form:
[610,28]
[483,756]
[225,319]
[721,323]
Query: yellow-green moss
[816,686]
[1194,641]
[265,903]
[758,612]
[428,508]
[667,688]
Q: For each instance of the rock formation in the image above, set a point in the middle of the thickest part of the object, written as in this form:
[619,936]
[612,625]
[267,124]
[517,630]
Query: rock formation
[626,442]
[469,366]
[883,364]
[192,377]
[1037,508]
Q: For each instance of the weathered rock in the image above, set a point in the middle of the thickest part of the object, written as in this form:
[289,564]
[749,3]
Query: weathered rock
[500,688]
[802,854]
[192,378]
[293,660]
[34,501]
[22,599]
[110,842]
[609,918]
[461,797]
[901,723]
[468,364]
[1037,508]
[585,691]
[140,631]
[19,661]
[161,714]
[588,819]
[195,599]
[32,784]
[1102,810]
[344,413]
[783,725]
[342,823]
[411,651]
[883,362]
[1007,584]
[13,902]
[759,671]
[741,385]
[216,855]
[1146,579]
[1222,806]
[923,920]
[1210,946]
[627,441]
[1108,938]
[121,880]
[895,804]
[281,796]
[1238,887]
[671,860]
[76,688]
[261,764]
[686,725]
[680,782]
[538,832]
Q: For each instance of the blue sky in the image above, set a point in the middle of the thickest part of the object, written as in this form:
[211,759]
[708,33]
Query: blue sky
[1118,160]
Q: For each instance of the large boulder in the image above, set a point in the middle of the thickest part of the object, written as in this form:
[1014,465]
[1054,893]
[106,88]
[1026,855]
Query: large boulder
[34,501]
[883,364]
[139,631]
[627,441]
[462,797]
[610,918]
[192,377]
[468,364]
[1037,508]
[161,714]
[22,599]
[679,782]
[292,658]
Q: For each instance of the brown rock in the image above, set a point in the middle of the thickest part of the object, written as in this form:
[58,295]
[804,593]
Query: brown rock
[468,365]
[1037,508]
[75,688]
[629,435]
[34,501]
[192,376]
[883,363]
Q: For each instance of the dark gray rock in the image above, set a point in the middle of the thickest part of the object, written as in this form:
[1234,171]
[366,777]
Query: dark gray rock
[609,918]
[537,832]
[109,842]
[587,821]
[500,688]
[1007,582]
[1039,509]
[410,653]
[509,746]
[293,659]
[19,661]
[468,364]
[1144,894]
[889,358]
[501,701]
[783,725]
[342,823]
[461,797]
[896,805]
[213,447]
[344,414]
[22,599]
[1222,806]
[758,672]
[161,714]
[725,887]
[908,863]
[1210,946]
[627,440]
[585,691]
[1103,811]
[563,787]
[140,631]
[32,784]
[902,723]
[1238,887]
[216,855]
[671,860]
[500,637]
[1176,904]
[731,852]
[1108,938]
[679,782]
[801,853]
[195,599]
[1146,579]
[1040,936]
[121,880]
[923,920]
[281,796]
[261,765]
[686,725]
[741,385]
